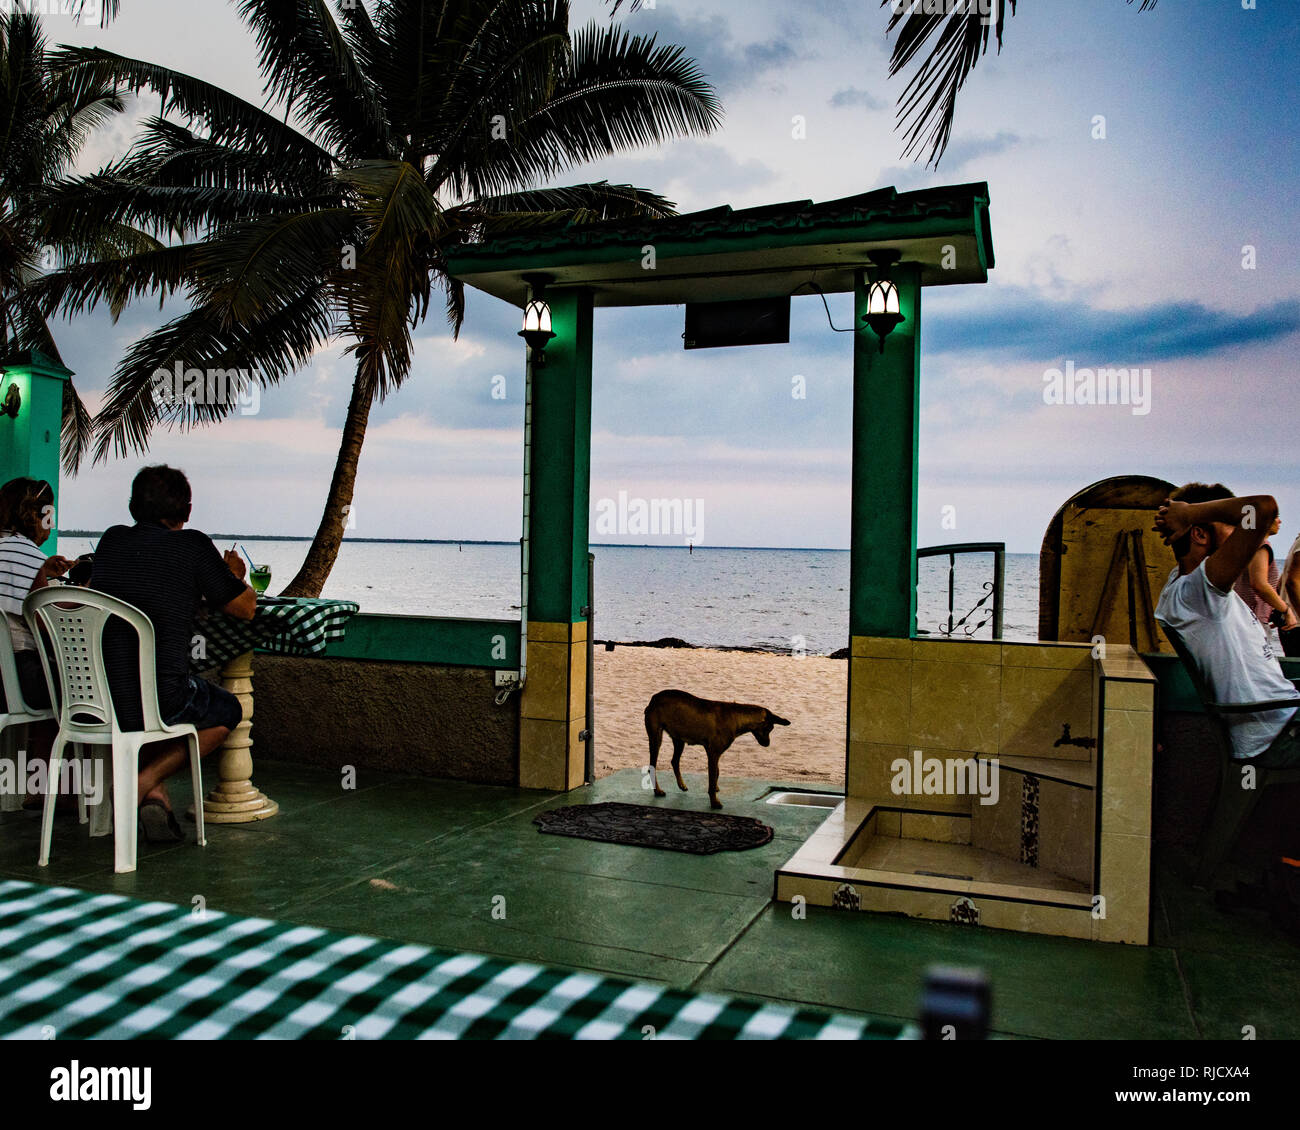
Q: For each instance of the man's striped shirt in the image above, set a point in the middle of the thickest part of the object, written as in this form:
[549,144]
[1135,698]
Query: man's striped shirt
[20,560]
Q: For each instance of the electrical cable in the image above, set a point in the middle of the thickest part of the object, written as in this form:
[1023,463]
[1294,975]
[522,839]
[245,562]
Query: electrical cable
[822,295]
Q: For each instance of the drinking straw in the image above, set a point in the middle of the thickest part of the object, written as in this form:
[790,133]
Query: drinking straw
[250,559]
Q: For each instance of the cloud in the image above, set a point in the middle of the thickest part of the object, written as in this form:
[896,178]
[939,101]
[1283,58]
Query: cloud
[963,150]
[1019,324]
[726,62]
[693,174]
[852,96]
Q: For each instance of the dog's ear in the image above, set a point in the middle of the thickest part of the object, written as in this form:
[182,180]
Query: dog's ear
[777,720]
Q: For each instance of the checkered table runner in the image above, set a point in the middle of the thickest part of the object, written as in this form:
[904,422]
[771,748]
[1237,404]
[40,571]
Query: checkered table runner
[283,625]
[76,965]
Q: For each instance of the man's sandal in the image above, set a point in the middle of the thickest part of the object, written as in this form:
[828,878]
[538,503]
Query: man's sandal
[159,823]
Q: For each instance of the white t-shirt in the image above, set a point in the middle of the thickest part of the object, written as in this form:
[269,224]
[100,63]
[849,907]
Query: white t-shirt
[20,560]
[1234,653]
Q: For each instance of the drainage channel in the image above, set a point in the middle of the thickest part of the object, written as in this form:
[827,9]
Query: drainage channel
[804,800]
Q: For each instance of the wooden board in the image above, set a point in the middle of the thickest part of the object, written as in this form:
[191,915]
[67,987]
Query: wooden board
[1102,565]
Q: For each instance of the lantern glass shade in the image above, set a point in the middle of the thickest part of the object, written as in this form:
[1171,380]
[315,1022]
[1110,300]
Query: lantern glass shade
[537,317]
[882,298]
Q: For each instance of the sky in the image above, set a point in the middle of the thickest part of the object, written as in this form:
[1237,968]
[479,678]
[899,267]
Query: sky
[1126,250]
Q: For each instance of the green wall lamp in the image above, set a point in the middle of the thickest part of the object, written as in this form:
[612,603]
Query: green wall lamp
[12,402]
[537,319]
[883,314]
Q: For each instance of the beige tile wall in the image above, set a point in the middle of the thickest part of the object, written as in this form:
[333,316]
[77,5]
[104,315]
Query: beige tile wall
[553,707]
[953,699]
[949,698]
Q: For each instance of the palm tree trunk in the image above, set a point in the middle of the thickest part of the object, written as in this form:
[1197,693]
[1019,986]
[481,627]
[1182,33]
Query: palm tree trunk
[325,545]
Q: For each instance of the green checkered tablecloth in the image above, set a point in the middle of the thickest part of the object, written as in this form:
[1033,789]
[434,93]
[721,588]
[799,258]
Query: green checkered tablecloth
[283,625]
[76,965]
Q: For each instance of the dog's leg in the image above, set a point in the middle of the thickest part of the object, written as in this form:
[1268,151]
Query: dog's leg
[655,732]
[678,746]
[715,755]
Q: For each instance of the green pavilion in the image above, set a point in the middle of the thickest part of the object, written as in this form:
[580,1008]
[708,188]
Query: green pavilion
[895,846]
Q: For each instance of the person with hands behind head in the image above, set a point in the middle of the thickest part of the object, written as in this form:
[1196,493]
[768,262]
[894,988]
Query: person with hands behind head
[167,571]
[1214,537]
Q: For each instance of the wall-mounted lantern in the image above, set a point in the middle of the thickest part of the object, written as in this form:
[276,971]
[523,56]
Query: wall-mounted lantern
[537,319]
[12,402]
[883,314]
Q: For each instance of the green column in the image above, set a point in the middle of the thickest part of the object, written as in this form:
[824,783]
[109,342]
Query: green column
[29,442]
[886,401]
[561,466]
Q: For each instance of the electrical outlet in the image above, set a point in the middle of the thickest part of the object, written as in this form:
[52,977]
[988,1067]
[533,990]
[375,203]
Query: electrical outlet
[507,678]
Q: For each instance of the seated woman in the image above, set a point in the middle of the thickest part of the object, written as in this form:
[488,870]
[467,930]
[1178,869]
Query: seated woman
[26,518]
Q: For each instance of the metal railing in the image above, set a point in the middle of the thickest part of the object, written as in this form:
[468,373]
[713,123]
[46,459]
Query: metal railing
[991,603]
[588,735]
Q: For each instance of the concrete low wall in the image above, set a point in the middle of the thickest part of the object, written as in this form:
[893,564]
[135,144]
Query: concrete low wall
[429,720]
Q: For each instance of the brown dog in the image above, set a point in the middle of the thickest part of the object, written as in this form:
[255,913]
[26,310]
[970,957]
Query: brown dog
[697,721]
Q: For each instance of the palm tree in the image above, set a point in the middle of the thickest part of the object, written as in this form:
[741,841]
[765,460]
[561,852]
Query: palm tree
[44,120]
[962,38]
[389,140]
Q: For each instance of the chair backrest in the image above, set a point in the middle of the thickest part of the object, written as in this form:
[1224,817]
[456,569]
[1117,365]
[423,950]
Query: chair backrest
[73,620]
[15,703]
[1202,688]
[1190,665]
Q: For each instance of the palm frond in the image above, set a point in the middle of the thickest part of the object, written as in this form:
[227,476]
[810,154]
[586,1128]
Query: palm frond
[81,206]
[107,10]
[620,92]
[244,274]
[603,200]
[266,353]
[389,288]
[226,118]
[928,105]
[308,64]
[929,102]
[393,201]
[455,293]
[77,432]
[115,279]
[492,62]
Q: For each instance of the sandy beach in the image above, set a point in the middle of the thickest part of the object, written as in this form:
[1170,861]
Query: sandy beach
[810,691]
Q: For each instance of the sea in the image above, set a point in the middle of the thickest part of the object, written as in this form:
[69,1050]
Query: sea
[771,599]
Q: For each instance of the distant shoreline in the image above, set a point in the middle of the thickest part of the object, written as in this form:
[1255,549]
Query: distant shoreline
[472,541]
[672,642]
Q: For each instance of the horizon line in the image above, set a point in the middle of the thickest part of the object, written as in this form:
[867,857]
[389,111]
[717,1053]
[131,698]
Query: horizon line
[480,541]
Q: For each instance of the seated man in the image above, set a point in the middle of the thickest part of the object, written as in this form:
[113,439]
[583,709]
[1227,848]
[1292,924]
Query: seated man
[165,571]
[1214,536]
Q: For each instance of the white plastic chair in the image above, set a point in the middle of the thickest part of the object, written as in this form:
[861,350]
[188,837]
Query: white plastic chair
[18,713]
[74,620]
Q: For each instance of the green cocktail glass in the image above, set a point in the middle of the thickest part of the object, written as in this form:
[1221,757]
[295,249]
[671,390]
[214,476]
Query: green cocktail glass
[260,577]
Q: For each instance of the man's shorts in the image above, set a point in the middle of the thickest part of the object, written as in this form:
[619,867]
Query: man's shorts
[31,680]
[207,706]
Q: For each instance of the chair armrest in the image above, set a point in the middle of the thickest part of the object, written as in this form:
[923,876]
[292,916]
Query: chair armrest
[1252,707]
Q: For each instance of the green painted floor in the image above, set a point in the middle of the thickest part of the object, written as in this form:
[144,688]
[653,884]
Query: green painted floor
[462,866]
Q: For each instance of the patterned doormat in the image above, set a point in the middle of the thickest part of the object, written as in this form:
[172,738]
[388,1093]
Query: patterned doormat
[642,825]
